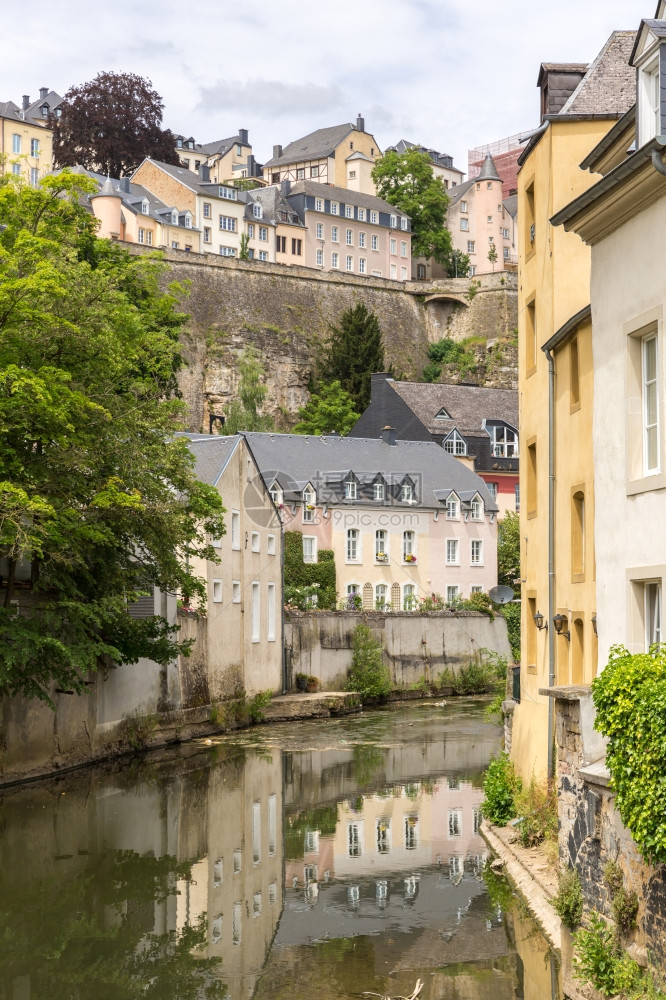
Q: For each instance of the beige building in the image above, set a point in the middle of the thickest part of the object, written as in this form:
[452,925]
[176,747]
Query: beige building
[556,395]
[227,159]
[342,155]
[482,221]
[622,219]
[442,163]
[244,610]
[26,136]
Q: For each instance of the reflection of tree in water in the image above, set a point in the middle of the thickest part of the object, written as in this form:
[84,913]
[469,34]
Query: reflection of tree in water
[368,760]
[323,819]
[91,937]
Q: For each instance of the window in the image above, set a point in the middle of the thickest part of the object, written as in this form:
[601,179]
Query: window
[492,489]
[408,543]
[257,212]
[250,230]
[361,265]
[174,244]
[349,263]
[578,536]
[406,492]
[383,836]
[351,489]
[352,175]
[319,204]
[218,873]
[206,234]
[352,545]
[335,234]
[505,253]
[335,208]
[238,861]
[503,440]
[455,822]
[255,541]
[452,509]
[476,589]
[206,210]
[455,444]
[531,479]
[16,143]
[308,505]
[516,496]
[355,840]
[374,217]
[505,232]
[309,549]
[296,247]
[228,251]
[360,214]
[34,147]
[300,173]
[149,237]
[463,206]
[394,270]
[381,545]
[403,248]
[394,246]
[217,591]
[319,231]
[408,597]
[256,612]
[320,258]
[464,225]
[34,176]
[476,552]
[361,240]
[381,597]
[335,260]
[472,270]
[145,207]
[452,593]
[270,545]
[530,337]
[270,635]
[236,923]
[374,242]
[650,405]
[235,529]
[281,244]
[378,491]
[574,374]
[263,255]
[142,236]
[272,893]
[490,218]
[349,211]
[403,223]
[349,237]
[403,273]
[491,239]
[228,223]
[263,234]
[452,552]
[652,593]
[235,592]
[411,833]
[471,246]
[421,272]
[394,221]
[477,509]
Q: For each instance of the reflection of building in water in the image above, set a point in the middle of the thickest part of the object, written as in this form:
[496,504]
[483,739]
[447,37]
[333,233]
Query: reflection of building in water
[238,884]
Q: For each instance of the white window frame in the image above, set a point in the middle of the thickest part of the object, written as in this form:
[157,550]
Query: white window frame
[235,530]
[335,260]
[650,422]
[381,544]
[349,237]
[255,541]
[235,591]
[452,592]
[319,205]
[349,263]
[471,246]
[351,489]
[263,255]
[408,597]
[653,613]
[335,208]
[374,217]
[463,206]
[349,211]
[34,147]
[464,225]
[227,223]
[256,611]
[378,492]
[263,234]
[408,544]
[455,443]
[406,493]
[403,248]
[476,552]
[16,143]
[319,230]
[309,549]
[353,546]
[476,510]
[361,241]
[381,595]
[453,509]
[374,242]
[360,213]
[362,265]
[335,234]
[270,594]
[217,591]
[270,545]
[393,246]
[320,257]
[453,552]
[455,823]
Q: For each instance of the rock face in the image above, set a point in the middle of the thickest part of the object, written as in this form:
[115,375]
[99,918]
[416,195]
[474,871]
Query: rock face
[287,312]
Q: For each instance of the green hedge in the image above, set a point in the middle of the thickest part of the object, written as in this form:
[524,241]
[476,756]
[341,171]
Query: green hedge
[299,575]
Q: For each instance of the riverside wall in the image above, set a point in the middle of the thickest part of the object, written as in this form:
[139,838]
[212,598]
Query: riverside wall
[286,313]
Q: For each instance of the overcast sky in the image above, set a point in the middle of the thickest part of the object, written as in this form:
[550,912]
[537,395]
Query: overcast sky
[451,74]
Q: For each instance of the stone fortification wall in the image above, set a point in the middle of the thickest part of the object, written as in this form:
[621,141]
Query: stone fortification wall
[286,313]
[416,647]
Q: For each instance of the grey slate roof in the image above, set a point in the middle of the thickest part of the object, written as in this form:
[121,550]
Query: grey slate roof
[455,194]
[344,195]
[132,199]
[33,111]
[441,159]
[314,146]
[609,86]
[511,205]
[276,208]
[211,454]
[222,146]
[468,405]
[488,170]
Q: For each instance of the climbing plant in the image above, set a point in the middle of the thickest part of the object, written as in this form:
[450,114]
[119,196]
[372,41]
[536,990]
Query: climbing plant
[630,699]
[303,580]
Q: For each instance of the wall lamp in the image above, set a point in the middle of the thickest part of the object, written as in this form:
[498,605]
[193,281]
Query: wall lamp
[594,623]
[559,621]
[539,622]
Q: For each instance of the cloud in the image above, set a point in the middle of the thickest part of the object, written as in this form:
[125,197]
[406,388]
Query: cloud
[270,97]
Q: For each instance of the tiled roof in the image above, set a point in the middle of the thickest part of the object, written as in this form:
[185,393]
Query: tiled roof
[211,454]
[314,146]
[609,86]
[221,146]
[344,195]
[468,406]
[276,207]
[132,196]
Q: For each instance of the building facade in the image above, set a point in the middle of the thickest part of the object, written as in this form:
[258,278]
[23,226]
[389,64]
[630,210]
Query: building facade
[483,224]
[342,155]
[26,136]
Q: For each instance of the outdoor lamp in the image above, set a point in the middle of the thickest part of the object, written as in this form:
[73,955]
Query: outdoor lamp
[539,622]
[594,623]
[559,621]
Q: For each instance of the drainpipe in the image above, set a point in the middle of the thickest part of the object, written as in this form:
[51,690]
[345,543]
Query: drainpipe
[658,163]
[551,549]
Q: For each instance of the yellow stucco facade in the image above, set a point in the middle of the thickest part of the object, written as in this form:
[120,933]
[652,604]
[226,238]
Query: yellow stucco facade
[553,293]
[26,149]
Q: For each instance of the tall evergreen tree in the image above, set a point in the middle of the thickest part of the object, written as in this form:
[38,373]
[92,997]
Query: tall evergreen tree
[354,352]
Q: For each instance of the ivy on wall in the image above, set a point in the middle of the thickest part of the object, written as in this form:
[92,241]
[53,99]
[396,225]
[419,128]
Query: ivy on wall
[630,699]
[303,580]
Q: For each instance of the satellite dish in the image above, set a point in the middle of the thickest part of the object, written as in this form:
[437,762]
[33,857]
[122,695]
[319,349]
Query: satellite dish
[501,595]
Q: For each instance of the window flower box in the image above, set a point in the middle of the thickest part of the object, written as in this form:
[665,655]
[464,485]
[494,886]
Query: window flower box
[410,559]
[381,557]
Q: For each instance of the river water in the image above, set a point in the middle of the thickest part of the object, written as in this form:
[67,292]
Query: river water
[310,860]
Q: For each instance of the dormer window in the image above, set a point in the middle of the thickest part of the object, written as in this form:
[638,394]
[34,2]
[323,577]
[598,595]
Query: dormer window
[407,492]
[190,144]
[378,491]
[455,444]
[179,143]
[174,216]
[443,414]
[648,54]
[44,108]
[145,207]
[477,509]
[188,220]
[58,112]
[276,494]
[257,212]
[351,489]
[503,440]
[228,192]
[452,508]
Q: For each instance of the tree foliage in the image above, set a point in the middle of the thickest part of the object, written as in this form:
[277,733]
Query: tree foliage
[630,699]
[368,674]
[406,180]
[355,350]
[508,549]
[243,411]
[110,124]
[457,264]
[303,580]
[330,408]
[98,498]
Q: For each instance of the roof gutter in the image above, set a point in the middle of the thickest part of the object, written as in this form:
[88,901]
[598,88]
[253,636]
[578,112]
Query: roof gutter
[567,329]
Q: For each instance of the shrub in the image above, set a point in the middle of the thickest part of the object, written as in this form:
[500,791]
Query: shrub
[368,675]
[475,678]
[493,710]
[257,704]
[630,699]
[598,960]
[624,904]
[537,806]
[511,615]
[569,899]
[500,787]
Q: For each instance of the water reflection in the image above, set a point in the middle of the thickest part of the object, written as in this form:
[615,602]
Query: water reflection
[321,859]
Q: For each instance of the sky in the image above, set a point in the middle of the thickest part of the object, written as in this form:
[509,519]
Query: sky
[450,74]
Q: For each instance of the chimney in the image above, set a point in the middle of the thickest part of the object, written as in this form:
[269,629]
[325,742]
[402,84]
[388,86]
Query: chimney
[360,124]
[242,137]
[251,167]
[557,82]
[285,188]
[388,435]
[43,93]
[277,152]
[26,101]
[125,184]
[204,173]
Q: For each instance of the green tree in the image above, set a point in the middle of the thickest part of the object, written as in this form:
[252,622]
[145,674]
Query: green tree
[355,350]
[98,498]
[406,180]
[457,264]
[243,411]
[244,247]
[508,549]
[330,408]
[492,255]
[368,674]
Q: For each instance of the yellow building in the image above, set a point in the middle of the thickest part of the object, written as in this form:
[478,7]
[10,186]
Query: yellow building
[579,106]
[26,138]
[342,155]
[227,159]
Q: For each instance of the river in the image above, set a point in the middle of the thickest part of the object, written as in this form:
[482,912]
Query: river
[309,860]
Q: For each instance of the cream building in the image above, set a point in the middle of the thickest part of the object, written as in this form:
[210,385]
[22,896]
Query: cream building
[556,394]
[227,159]
[342,155]
[480,221]
[26,136]
[622,218]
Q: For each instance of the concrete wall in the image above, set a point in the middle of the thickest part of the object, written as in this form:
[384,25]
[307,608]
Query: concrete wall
[414,646]
[591,832]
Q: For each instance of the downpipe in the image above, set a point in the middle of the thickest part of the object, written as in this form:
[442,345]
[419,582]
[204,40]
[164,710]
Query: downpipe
[551,551]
